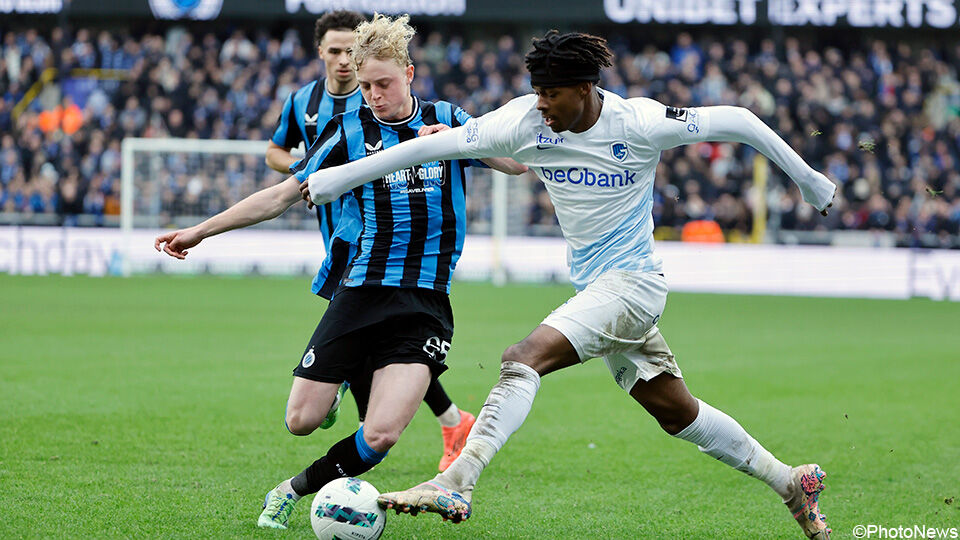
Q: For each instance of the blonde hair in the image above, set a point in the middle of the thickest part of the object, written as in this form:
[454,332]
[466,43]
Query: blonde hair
[383,38]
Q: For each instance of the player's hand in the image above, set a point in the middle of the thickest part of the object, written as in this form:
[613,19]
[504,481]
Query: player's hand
[316,190]
[824,211]
[176,243]
[305,193]
[430,130]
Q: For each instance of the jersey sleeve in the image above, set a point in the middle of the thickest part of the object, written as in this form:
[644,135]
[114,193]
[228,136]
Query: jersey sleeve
[461,117]
[495,133]
[731,124]
[329,150]
[287,134]
[667,127]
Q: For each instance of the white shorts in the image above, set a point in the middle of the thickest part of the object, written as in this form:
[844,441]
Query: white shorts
[615,317]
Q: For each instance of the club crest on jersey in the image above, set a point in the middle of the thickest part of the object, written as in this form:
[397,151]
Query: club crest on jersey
[619,150]
[310,120]
[373,148]
[308,358]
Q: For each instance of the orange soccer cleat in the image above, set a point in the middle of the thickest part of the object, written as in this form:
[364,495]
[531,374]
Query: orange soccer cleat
[454,438]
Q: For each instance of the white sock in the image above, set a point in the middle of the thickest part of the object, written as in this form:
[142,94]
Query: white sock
[505,410]
[720,436]
[286,488]
[450,417]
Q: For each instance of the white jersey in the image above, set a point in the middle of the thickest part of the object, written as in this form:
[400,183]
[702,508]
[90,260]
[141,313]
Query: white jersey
[600,180]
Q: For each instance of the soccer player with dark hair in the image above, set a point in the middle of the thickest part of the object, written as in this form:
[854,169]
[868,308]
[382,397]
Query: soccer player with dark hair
[597,154]
[390,323]
[313,105]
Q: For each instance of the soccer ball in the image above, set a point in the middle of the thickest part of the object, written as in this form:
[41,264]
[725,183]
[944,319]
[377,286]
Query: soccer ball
[347,509]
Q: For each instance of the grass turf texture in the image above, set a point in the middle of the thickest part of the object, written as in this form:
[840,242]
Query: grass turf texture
[153,407]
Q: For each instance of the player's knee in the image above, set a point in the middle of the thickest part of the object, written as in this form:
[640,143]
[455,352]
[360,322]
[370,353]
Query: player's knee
[674,418]
[298,423]
[514,353]
[672,425]
[524,353]
[530,354]
[380,439]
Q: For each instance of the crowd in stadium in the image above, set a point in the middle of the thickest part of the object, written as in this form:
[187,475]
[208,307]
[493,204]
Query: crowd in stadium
[882,121]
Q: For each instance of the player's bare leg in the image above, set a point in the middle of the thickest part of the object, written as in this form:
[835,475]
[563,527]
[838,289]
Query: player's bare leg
[396,393]
[449,494]
[308,404]
[680,414]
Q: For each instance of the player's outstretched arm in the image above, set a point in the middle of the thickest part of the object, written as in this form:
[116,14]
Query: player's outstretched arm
[325,185]
[279,158]
[737,124]
[504,165]
[263,205]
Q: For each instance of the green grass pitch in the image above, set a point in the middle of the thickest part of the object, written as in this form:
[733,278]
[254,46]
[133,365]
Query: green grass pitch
[153,408]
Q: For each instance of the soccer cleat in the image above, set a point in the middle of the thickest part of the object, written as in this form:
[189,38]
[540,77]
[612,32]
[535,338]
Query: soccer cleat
[334,412]
[805,505]
[454,438]
[277,507]
[428,497]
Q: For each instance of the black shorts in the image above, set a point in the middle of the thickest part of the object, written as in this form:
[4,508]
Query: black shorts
[368,327]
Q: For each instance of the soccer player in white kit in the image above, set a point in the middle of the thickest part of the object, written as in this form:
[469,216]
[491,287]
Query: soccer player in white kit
[597,154]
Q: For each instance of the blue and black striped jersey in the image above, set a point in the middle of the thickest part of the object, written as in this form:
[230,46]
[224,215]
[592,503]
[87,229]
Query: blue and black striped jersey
[303,111]
[412,222]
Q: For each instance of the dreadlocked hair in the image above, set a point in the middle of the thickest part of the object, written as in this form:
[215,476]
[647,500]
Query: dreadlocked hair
[573,54]
[335,20]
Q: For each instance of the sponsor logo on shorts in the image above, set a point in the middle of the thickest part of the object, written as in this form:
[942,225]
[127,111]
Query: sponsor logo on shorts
[619,375]
[308,358]
[655,320]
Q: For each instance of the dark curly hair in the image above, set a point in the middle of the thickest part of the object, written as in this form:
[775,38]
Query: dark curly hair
[336,20]
[557,58]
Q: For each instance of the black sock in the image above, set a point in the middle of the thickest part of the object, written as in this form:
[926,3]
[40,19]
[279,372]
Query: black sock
[342,460]
[361,394]
[436,398]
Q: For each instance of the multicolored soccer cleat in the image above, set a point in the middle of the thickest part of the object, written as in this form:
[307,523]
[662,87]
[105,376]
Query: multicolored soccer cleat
[334,412]
[277,507]
[428,497]
[805,505]
[454,438]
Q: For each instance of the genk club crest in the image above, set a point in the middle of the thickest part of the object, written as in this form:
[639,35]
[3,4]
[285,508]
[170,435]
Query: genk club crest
[619,150]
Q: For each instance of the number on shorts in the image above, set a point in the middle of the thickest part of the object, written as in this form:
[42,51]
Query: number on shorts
[437,347]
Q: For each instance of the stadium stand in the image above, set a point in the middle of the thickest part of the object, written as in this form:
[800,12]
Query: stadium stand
[883,121]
